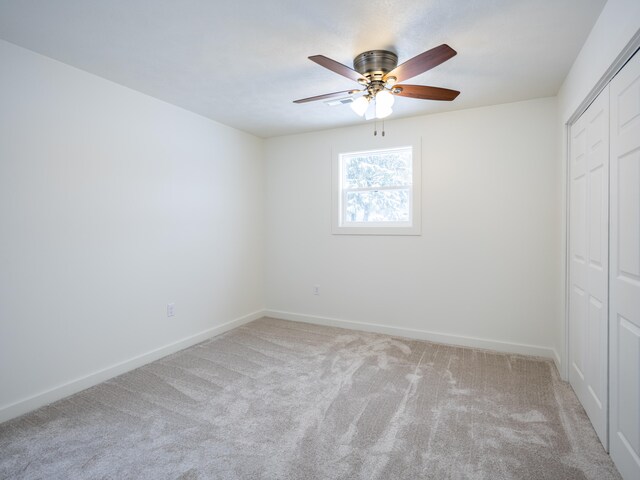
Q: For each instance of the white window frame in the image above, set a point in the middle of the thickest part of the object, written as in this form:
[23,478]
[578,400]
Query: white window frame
[413,226]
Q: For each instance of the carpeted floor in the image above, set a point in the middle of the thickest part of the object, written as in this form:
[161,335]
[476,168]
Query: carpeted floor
[284,400]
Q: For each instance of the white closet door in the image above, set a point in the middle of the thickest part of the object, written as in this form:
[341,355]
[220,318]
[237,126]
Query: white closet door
[588,269]
[625,270]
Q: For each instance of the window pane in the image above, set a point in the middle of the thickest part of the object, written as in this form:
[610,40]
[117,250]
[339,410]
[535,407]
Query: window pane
[377,169]
[377,206]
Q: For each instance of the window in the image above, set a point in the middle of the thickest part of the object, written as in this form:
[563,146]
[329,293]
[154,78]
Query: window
[377,192]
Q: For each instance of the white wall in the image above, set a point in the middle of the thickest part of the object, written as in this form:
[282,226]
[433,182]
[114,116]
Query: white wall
[485,266]
[617,27]
[617,24]
[112,204]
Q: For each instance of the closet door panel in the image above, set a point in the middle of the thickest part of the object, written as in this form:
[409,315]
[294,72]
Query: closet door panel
[578,256]
[624,295]
[588,275]
[598,264]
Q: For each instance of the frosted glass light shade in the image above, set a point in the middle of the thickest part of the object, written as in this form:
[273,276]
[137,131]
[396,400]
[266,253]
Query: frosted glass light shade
[384,99]
[360,105]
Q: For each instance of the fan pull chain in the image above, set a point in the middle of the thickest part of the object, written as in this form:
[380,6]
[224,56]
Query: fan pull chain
[375,128]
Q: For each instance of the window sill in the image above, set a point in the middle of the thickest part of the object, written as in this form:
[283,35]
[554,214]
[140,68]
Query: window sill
[367,230]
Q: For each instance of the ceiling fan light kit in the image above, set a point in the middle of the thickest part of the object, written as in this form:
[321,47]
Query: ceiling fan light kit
[379,73]
[360,105]
[385,99]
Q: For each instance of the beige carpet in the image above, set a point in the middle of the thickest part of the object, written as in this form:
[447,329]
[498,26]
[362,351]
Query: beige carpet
[284,400]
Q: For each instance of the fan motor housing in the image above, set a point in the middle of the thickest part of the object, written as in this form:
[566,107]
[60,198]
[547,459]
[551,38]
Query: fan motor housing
[375,62]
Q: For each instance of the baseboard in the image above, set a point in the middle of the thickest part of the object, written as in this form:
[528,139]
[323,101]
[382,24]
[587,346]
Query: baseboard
[57,393]
[74,386]
[558,362]
[449,339]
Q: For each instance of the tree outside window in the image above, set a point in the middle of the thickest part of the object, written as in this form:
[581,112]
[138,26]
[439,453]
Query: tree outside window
[376,187]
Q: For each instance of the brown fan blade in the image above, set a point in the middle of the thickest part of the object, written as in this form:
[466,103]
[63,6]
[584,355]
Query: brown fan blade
[338,68]
[425,93]
[421,63]
[326,96]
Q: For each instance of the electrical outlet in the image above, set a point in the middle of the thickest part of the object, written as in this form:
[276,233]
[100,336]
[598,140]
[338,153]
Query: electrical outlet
[316,289]
[171,309]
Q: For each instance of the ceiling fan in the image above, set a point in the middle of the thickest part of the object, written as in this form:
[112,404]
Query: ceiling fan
[380,75]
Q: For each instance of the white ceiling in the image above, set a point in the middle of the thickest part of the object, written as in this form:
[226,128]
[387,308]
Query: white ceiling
[243,62]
